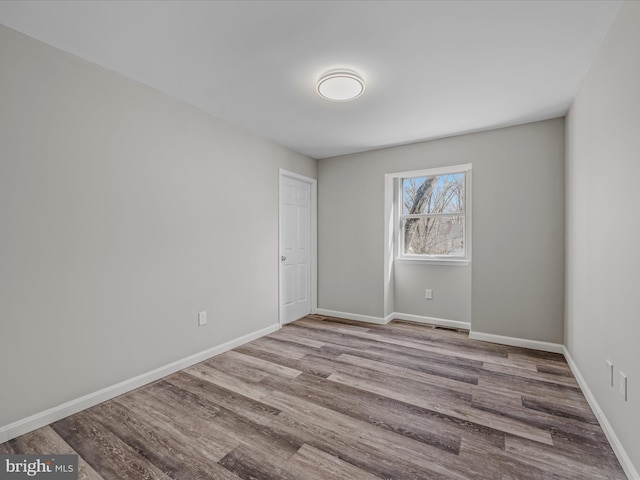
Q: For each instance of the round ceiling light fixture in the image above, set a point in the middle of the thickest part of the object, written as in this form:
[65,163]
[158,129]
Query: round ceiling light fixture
[340,85]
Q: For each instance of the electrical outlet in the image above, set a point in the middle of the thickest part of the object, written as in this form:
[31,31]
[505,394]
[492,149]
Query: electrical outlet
[610,373]
[623,386]
[202,318]
[428,294]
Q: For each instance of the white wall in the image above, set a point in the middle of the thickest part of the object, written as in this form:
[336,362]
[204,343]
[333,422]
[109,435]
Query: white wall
[516,278]
[603,226]
[123,214]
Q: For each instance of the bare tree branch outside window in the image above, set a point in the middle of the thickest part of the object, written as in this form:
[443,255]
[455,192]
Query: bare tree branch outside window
[433,215]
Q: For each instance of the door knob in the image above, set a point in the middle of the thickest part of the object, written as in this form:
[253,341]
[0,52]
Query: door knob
[283,258]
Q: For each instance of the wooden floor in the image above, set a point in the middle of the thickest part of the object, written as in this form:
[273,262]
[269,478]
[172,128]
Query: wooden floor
[327,399]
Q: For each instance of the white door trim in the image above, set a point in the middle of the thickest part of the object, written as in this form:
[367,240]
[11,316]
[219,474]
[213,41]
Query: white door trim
[313,236]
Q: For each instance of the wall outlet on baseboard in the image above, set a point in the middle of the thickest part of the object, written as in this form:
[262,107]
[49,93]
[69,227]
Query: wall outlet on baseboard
[428,294]
[610,373]
[623,386]
[202,318]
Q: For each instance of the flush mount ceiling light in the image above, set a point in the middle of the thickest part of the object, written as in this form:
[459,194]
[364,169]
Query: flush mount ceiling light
[340,85]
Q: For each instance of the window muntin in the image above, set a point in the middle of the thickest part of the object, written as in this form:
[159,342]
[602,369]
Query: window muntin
[432,221]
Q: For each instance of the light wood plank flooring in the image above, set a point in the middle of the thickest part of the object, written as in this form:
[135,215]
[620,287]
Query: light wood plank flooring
[327,399]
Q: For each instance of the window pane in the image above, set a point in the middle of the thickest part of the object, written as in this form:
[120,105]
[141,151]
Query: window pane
[441,235]
[438,194]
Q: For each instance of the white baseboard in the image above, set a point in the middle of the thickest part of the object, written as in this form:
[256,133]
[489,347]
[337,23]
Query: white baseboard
[400,316]
[353,316]
[517,342]
[54,414]
[618,449]
[486,337]
[432,321]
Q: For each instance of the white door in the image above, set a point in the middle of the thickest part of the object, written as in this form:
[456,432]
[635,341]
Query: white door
[295,249]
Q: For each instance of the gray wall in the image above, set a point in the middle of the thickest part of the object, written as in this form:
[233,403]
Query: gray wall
[516,279]
[603,226]
[124,213]
[518,232]
[451,291]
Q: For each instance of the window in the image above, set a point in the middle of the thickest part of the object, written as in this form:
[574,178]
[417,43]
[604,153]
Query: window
[432,211]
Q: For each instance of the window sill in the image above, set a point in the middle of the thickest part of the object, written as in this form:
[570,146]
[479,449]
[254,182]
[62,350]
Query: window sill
[448,262]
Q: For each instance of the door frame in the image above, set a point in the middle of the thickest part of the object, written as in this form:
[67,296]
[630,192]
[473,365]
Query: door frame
[313,237]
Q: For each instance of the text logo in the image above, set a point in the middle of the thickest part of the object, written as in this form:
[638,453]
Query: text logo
[49,467]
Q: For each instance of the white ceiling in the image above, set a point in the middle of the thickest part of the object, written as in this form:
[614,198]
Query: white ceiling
[433,68]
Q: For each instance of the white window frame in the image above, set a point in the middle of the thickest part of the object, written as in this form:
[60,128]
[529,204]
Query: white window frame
[399,255]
